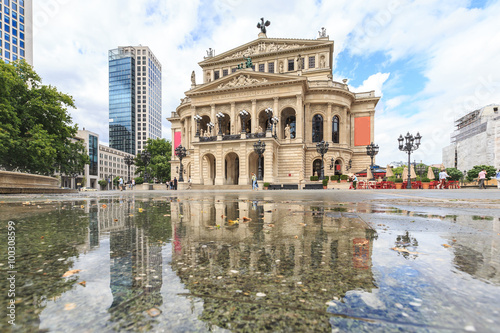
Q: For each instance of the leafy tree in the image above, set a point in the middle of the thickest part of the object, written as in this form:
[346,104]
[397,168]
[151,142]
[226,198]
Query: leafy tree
[474,172]
[159,165]
[454,174]
[36,129]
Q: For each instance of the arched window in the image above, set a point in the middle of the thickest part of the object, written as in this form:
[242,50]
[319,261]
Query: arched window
[336,130]
[317,168]
[317,128]
[290,122]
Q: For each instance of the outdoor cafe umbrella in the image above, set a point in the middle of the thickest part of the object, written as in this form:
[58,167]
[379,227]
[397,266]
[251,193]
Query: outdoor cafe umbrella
[430,174]
[413,175]
[405,174]
[389,172]
[369,174]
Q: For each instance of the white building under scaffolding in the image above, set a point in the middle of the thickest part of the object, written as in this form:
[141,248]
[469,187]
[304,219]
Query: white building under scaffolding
[476,140]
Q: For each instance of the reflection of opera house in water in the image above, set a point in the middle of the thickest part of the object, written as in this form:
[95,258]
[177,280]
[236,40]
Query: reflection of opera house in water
[300,257]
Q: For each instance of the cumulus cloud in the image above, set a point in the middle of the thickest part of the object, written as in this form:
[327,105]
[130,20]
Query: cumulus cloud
[455,48]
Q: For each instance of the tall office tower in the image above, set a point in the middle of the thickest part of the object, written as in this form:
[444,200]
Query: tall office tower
[134,98]
[16,30]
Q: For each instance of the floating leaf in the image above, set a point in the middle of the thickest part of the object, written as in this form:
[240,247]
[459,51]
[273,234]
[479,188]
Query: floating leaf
[446,245]
[260,295]
[83,283]
[141,210]
[153,312]
[116,220]
[69,306]
[403,250]
[246,219]
[71,272]
[82,206]
[104,206]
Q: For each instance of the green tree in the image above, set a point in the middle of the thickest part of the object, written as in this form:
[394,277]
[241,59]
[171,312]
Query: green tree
[36,129]
[474,172]
[159,165]
[454,174]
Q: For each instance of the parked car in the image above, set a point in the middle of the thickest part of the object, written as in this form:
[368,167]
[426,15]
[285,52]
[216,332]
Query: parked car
[86,189]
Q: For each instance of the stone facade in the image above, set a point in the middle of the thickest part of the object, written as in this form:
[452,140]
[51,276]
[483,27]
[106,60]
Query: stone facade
[476,141]
[292,78]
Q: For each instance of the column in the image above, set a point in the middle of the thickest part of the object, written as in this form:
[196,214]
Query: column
[327,136]
[212,118]
[300,118]
[244,177]
[234,120]
[193,123]
[219,164]
[253,113]
[277,114]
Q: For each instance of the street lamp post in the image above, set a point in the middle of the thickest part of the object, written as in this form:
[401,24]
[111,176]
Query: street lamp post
[322,149]
[269,113]
[259,148]
[198,119]
[181,152]
[244,115]
[409,144]
[372,150]
[146,157]
[211,126]
[129,160]
[220,116]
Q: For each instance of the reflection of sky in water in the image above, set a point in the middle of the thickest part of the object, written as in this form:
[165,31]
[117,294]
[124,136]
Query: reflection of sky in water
[196,265]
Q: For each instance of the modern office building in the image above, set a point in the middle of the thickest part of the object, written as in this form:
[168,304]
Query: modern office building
[476,140]
[16,30]
[134,98]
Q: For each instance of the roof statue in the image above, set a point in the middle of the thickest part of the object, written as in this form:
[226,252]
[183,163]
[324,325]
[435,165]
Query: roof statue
[322,33]
[262,26]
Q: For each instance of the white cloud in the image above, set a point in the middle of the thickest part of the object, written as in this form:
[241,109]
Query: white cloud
[455,47]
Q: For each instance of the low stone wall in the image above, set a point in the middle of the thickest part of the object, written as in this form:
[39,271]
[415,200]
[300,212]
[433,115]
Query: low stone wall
[16,182]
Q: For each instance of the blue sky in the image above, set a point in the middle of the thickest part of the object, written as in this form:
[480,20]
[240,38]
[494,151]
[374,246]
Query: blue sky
[431,61]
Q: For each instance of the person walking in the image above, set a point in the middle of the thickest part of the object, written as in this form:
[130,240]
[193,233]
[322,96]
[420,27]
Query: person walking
[121,184]
[254,182]
[498,179]
[175,183]
[354,181]
[442,178]
[482,178]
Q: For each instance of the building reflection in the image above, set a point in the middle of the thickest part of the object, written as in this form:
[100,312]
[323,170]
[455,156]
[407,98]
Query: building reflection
[299,256]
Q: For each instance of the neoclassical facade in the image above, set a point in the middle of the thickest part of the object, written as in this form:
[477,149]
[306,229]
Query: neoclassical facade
[287,100]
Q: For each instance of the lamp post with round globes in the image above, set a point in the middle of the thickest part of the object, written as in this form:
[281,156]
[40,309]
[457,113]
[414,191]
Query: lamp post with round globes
[244,115]
[181,152]
[372,150]
[409,144]
[210,125]
[275,121]
[269,113]
[259,148]
[322,149]
[198,119]
[220,117]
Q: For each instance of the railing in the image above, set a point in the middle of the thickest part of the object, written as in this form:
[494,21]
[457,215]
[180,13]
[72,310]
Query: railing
[208,138]
[365,94]
[327,83]
[232,137]
[256,135]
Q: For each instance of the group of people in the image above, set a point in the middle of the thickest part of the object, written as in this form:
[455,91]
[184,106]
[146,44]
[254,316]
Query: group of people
[172,184]
[121,183]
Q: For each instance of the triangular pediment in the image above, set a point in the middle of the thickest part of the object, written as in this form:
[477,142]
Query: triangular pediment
[264,47]
[242,79]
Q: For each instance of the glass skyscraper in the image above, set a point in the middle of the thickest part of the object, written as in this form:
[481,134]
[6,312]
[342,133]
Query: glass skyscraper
[134,98]
[16,32]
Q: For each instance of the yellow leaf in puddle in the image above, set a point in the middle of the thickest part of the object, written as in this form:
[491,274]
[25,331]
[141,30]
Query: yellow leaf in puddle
[446,245]
[82,206]
[403,250]
[71,272]
[83,283]
[140,210]
[153,312]
[69,306]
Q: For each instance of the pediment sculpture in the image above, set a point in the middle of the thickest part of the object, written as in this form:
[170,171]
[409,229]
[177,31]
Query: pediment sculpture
[263,48]
[240,81]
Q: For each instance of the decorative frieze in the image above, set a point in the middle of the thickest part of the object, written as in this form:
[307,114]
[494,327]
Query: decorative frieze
[241,81]
[263,48]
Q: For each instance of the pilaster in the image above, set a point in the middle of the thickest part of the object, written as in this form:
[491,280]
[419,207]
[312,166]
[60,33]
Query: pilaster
[327,136]
[277,114]
[234,119]
[255,121]
[300,117]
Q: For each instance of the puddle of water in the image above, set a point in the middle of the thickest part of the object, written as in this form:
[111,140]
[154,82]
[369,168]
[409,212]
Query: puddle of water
[229,263]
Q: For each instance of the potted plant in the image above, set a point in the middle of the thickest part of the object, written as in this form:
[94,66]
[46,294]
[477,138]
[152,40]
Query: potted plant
[325,183]
[399,183]
[266,185]
[335,178]
[344,178]
[313,178]
[425,183]
[103,184]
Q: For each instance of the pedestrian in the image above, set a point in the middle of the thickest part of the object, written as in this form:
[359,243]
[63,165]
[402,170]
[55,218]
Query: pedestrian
[121,184]
[133,183]
[442,179]
[354,181]
[482,178]
[498,178]
[255,186]
[189,183]
[175,183]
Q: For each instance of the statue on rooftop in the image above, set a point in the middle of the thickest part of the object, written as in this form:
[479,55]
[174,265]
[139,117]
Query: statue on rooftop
[262,25]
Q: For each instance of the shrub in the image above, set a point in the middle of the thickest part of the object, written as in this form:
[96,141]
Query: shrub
[335,177]
[398,180]
[313,178]
[102,183]
[474,172]
[391,178]
[344,177]
[325,182]
[426,180]
[266,184]
[139,180]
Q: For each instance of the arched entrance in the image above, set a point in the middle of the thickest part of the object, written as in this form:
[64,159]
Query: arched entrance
[288,124]
[317,167]
[253,166]
[338,167]
[208,170]
[231,169]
